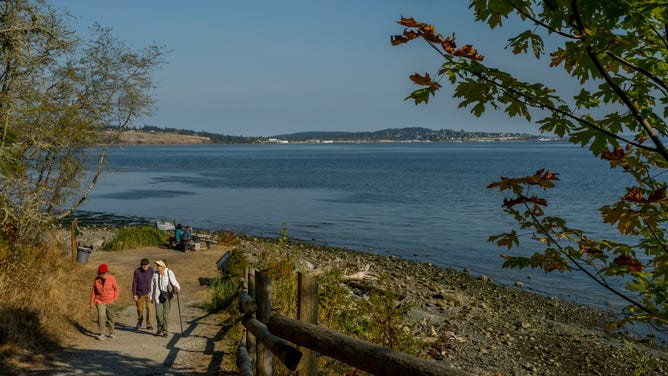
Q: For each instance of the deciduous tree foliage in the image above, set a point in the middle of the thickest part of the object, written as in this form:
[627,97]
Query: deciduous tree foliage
[617,52]
[57,93]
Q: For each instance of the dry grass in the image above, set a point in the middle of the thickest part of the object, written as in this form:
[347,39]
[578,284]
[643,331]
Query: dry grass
[45,296]
[41,296]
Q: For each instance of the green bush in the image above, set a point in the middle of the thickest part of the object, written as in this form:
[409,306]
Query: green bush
[131,237]
[229,238]
[387,315]
[224,292]
[237,264]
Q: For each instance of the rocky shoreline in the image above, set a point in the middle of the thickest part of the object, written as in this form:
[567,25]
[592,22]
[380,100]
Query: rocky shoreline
[488,329]
[484,328]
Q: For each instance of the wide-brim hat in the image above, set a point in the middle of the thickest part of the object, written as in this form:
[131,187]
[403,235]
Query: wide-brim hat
[161,263]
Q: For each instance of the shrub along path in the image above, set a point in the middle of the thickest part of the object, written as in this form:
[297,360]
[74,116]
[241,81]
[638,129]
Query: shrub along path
[199,350]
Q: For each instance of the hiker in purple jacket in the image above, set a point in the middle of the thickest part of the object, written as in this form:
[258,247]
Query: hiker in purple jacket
[141,293]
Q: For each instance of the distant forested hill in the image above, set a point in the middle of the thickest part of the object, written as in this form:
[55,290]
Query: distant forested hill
[404,134]
[385,135]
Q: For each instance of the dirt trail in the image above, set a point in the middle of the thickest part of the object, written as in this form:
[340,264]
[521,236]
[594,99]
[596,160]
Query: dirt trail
[198,351]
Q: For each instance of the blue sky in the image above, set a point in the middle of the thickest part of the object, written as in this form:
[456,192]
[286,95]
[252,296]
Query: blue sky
[263,68]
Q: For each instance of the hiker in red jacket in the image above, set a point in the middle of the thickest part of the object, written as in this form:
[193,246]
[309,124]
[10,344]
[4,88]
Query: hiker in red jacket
[103,297]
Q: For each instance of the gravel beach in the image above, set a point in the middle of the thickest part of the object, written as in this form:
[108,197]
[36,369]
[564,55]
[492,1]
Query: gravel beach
[488,329]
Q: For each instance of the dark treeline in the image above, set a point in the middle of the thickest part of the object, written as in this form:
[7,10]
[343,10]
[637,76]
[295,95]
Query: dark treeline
[406,134]
[216,138]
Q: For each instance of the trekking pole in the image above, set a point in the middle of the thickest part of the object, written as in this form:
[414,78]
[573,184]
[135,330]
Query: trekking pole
[178,302]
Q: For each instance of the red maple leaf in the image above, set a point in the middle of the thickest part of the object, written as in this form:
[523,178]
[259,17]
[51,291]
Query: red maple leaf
[630,262]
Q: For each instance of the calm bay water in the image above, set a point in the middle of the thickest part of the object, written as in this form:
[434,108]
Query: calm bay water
[421,201]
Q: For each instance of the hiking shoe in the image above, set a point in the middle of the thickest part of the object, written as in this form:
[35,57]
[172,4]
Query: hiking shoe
[101,337]
[112,335]
[150,327]
[164,334]
[138,326]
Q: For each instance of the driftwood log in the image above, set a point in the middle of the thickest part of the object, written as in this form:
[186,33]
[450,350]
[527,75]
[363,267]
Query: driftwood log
[366,274]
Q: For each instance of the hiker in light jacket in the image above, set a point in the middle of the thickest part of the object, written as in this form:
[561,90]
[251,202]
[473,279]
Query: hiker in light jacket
[163,288]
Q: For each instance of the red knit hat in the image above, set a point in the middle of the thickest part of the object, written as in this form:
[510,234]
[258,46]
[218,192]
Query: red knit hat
[103,268]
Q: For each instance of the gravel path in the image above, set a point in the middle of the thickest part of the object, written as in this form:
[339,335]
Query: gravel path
[198,351]
[141,352]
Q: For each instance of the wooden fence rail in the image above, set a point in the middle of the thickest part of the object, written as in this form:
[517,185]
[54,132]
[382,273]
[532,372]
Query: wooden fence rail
[289,355]
[366,356]
[272,334]
[244,363]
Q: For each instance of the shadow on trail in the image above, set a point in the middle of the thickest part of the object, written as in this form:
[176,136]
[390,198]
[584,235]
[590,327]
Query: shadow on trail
[107,363]
[217,356]
[75,361]
[119,327]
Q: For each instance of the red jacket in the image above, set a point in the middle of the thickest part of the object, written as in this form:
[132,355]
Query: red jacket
[104,293]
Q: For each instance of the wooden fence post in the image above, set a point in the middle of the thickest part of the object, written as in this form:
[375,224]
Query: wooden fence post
[251,343]
[263,299]
[307,310]
[74,239]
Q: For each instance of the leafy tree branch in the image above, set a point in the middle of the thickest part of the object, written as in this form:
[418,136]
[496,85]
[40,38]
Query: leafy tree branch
[623,66]
[58,94]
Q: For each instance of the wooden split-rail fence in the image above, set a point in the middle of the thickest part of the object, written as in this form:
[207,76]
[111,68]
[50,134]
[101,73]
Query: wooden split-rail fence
[298,342]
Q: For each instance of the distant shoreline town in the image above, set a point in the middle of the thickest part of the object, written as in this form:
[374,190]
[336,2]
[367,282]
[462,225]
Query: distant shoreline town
[149,135]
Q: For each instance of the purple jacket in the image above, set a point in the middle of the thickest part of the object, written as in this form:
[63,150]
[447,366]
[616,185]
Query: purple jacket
[141,281]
